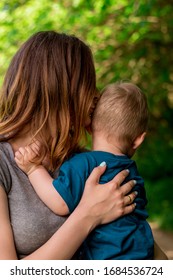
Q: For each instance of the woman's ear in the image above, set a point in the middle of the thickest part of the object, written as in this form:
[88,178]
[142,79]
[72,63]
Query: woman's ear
[138,141]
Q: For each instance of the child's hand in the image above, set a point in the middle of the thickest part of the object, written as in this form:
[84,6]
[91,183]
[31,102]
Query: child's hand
[26,156]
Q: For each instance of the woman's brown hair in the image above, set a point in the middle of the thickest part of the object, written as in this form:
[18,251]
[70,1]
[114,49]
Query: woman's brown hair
[50,82]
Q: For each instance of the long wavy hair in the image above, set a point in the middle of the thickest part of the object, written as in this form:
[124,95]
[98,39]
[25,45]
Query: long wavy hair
[49,85]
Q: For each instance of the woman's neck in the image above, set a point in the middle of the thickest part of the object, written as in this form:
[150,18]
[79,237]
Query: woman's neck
[20,141]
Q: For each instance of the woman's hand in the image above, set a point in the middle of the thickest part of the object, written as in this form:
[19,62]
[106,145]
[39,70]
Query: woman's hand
[107,202]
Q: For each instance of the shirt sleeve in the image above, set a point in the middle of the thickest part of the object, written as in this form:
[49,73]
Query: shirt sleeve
[69,185]
[5,176]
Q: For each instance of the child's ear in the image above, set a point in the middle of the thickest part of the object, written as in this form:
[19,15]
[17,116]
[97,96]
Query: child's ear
[138,141]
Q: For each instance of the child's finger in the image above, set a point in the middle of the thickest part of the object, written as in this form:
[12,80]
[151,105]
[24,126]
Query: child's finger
[18,155]
[19,158]
[22,150]
[31,154]
[38,143]
[35,147]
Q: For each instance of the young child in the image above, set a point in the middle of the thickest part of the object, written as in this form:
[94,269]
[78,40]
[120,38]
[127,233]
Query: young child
[118,128]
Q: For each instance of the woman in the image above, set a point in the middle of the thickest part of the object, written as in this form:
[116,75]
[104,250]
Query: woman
[49,95]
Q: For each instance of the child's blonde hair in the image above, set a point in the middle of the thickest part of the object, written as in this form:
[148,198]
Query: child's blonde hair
[121,113]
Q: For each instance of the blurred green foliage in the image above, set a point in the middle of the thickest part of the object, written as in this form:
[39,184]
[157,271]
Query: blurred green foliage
[130,40]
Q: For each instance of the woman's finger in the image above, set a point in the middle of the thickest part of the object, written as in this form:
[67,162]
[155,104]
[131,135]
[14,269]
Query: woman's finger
[120,177]
[129,209]
[95,175]
[127,187]
[129,199]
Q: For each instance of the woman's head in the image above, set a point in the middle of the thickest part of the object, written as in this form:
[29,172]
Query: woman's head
[49,87]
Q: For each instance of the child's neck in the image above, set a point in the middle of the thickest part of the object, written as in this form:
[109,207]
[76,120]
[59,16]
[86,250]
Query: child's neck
[101,143]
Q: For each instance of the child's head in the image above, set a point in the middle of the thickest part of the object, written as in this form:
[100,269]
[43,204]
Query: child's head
[121,115]
[49,87]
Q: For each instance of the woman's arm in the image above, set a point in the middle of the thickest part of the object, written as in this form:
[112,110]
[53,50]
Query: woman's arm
[7,248]
[99,205]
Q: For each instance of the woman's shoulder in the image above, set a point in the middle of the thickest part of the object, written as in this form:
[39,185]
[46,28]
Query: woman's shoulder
[6,154]
[5,148]
[5,165]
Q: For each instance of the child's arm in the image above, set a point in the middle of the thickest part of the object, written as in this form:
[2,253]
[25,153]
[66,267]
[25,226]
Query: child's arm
[40,179]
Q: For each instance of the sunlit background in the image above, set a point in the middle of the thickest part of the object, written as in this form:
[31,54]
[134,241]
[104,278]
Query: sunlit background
[131,40]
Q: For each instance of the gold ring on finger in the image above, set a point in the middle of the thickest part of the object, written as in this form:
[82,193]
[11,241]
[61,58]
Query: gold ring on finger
[130,200]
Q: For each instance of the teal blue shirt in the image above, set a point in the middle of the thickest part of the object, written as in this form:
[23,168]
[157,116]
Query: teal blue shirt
[129,237]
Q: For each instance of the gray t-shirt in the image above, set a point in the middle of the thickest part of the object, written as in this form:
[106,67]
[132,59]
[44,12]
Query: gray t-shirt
[32,222]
